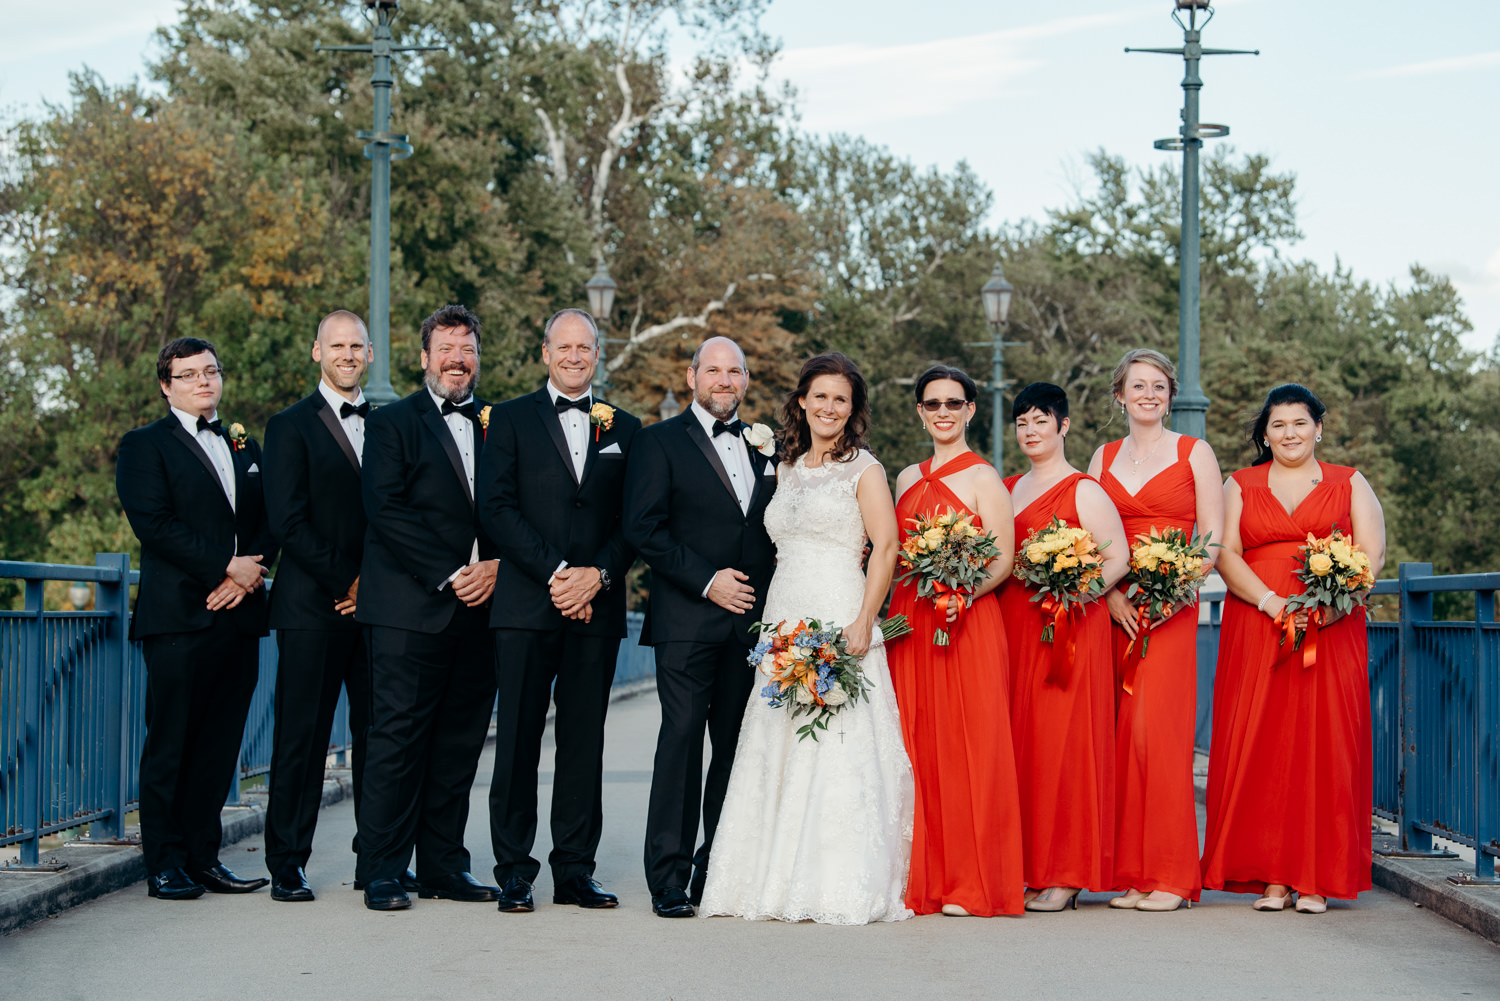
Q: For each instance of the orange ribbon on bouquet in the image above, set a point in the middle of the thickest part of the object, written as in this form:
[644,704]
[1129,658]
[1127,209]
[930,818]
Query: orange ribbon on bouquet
[1142,632]
[1063,641]
[1293,640]
[946,596]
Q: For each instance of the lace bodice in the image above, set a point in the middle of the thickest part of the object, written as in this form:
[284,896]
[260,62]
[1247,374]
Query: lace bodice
[820,540]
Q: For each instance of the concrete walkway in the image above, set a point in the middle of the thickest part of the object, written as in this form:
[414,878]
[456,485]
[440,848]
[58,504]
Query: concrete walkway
[126,946]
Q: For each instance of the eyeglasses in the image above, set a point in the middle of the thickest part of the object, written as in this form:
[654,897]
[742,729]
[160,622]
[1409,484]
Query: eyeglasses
[933,406]
[209,373]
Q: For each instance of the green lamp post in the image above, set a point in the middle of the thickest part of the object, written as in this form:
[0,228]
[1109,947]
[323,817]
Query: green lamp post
[996,295]
[1190,409]
[601,292]
[381,148]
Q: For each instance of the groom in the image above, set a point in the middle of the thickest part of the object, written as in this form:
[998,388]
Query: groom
[695,497]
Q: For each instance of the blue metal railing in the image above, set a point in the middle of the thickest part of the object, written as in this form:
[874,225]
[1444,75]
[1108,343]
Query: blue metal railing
[72,707]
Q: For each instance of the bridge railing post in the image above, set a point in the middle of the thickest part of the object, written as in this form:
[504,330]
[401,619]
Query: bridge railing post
[1418,717]
[113,596]
[1486,721]
[29,768]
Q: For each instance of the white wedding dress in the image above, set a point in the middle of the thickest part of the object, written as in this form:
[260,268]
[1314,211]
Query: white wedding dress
[817,830]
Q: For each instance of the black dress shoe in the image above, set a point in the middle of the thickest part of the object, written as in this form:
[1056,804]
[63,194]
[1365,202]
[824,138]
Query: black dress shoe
[585,891]
[458,886]
[290,885]
[695,885]
[408,882]
[386,895]
[672,902]
[516,897]
[221,880]
[172,884]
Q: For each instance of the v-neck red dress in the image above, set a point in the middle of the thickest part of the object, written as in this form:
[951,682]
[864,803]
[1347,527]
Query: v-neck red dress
[955,717]
[1156,816]
[1065,750]
[1289,772]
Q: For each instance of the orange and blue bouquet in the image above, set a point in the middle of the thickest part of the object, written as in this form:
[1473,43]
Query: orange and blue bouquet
[1335,573]
[947,556]
[810,669]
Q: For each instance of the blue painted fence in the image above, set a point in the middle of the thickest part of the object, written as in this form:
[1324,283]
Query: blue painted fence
[72,696]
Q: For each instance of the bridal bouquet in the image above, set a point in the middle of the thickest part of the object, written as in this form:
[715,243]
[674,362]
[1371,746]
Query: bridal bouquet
[811,670]
[946,556]
[1166,571]
[1335,573]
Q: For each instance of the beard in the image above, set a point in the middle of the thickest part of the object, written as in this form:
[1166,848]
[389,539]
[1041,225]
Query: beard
[721,411]
[441,389]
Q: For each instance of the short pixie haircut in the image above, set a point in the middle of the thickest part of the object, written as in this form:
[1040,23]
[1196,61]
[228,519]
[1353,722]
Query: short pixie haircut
[1043,396]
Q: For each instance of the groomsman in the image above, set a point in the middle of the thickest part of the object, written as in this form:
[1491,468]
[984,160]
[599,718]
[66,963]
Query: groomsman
[424,591]
[550,495]
[695,500]
[192,491]
[312,484]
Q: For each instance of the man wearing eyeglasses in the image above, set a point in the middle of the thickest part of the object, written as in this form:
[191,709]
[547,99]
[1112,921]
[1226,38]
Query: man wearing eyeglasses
[191,489]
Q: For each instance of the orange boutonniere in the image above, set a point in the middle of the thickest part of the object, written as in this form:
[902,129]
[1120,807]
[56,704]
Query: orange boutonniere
[484,422]
[602,416]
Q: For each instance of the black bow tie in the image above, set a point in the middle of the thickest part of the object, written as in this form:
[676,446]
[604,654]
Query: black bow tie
[731,427]
[467,409]
[346,409]
[563,403]
[216,426]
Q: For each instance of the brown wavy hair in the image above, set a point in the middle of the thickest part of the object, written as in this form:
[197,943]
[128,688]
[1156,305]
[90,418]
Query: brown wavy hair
[795,435]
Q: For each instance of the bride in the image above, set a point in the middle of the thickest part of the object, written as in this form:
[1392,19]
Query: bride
[821,830]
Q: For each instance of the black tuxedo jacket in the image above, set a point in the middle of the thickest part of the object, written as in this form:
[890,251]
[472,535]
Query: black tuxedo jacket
[316,513]
[682,517]
[422,520]
[188,532]
[540,515]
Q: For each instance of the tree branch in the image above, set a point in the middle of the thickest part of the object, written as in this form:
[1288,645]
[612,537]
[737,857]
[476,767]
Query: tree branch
[639,336]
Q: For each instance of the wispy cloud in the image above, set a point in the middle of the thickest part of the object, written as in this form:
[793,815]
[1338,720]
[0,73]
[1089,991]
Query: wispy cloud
[1433,67]
[38,30]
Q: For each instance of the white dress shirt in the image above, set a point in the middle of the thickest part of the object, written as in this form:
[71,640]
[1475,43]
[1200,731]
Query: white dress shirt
[575,428]
[733,453]
[354,424]
[216,448]
[462,430]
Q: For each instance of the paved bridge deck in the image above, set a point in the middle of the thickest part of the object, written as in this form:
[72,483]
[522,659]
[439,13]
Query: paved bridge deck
[125,945]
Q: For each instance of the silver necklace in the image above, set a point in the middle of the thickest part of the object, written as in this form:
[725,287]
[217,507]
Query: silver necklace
[1130,452]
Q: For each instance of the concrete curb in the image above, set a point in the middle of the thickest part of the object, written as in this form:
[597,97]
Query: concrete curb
[1422,881]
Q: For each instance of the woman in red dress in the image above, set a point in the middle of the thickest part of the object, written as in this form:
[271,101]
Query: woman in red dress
[1289,772]
[1157,479]
[1064,728]
[955,708]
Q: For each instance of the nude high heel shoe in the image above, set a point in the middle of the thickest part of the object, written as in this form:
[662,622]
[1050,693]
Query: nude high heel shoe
[1273,903]
[955,911]
[1127,900]
[1055,898]
[1162,904]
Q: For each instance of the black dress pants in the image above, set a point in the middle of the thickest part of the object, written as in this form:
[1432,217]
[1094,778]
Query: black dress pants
[431,698]
[198,689]
[700,685]
[313,664]
[527,662]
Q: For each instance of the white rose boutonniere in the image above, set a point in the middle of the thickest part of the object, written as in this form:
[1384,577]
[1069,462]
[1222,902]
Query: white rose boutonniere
[760,437]
[238,436]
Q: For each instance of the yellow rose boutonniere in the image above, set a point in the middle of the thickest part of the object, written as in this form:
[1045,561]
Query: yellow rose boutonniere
[484,422]
[602,416]
[238,436]
[760,437]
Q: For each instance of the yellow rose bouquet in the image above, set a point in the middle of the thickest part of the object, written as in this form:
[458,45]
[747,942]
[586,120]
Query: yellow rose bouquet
[1166,571]
[1335,573]
[1062,565]
[946,556]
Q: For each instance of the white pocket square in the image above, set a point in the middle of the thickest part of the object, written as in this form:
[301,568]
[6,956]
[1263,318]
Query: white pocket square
[254,468]
[610,449]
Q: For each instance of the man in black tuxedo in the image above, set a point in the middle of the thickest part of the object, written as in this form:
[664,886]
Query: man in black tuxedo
[550,496]
[312,485]
[695,497]
[192,492]
[424,592]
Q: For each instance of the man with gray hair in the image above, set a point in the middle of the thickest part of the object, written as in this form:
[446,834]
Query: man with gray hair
[551,498]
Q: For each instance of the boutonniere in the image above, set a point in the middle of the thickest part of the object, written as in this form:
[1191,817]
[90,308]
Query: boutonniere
[238,436]
[602,416]
[760,437]
[484,422]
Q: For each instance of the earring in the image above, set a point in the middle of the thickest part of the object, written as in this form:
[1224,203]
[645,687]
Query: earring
[1266,442]
[1318,438]
[1122,408]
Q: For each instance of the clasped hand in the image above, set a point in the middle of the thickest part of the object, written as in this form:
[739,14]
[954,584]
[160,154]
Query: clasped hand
[476,582]
[730,592]
[573,590]
[1123,611]
[243,575]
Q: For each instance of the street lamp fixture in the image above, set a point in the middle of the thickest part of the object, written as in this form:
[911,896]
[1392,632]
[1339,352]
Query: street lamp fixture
[996,295]
[669,406]
[601,291]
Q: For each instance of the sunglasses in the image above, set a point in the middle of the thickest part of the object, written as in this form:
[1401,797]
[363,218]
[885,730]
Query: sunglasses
[933,406]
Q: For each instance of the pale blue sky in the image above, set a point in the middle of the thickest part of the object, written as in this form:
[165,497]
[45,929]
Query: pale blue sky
[1386,111]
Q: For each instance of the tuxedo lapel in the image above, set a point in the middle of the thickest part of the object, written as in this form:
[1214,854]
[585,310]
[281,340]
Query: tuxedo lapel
[706,446]
[759,462]
[331,421]
[191,444]
[439,428]
[547,414]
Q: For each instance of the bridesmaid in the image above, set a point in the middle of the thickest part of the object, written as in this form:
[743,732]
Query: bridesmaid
[1064,732]
[955,708]
[1289,779]
[1156,479]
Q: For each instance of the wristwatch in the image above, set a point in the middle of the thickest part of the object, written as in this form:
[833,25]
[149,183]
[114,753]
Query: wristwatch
[604,579]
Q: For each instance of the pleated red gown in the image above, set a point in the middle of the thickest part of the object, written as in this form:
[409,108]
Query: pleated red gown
[1289,774]
[955,718]
[1156,819]
[1065,752]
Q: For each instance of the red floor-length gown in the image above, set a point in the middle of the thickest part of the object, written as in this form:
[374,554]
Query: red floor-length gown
[955,717]
[1289,771]
[1064,734]
[1156,818]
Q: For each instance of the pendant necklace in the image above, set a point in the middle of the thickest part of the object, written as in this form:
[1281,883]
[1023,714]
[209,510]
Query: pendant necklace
[1130,454]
